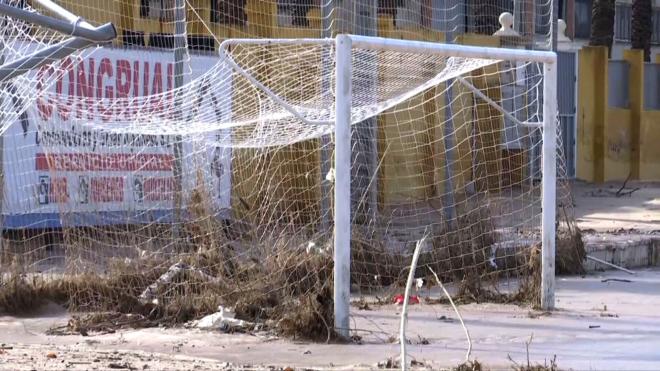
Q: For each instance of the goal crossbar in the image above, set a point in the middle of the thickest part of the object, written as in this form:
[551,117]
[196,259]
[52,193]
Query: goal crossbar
[451,50]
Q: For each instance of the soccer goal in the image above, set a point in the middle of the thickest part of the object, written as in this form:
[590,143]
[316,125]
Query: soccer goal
[348,61]
[282,178]
[372,76]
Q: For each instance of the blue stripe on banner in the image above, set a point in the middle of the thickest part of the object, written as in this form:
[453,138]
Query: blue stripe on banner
[86,219]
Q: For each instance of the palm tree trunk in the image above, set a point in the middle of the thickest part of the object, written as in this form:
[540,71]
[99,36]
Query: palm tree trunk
[642,26]
[602,24]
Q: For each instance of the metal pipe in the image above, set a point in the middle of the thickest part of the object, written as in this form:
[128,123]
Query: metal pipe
[43,56]
[306,41]
[549,186]
[273,95]
[325,154]
[62,12]
[104,33]
[179,52]
[365,134]
[452,50]
[494,104]
[449,50]
[342,245]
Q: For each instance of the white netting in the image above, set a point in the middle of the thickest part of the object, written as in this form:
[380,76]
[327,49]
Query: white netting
[155,177]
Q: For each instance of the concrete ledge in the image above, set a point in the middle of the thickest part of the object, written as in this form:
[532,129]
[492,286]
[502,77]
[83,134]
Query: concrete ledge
[626,250]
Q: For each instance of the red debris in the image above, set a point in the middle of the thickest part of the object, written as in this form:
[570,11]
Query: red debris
[398,299]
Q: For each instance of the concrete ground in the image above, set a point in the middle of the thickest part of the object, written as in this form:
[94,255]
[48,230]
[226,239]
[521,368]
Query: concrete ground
[599,210]
[622,228]
[600,323]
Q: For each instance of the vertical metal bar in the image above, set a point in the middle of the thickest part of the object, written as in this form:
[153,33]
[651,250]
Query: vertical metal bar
[179,53]
[554,16]
[326,150]
[448,200]
[549,186]
[342,253]
[3,132]
[575,104]
[365,157]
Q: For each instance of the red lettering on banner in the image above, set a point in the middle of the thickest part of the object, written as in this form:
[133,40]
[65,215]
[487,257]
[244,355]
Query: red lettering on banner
[104,162]
[89,90]
[136,85]
[157,85]
[107,189]
[45,107]
[145,85]
[170,76]
[123,82]
[156,88]
[169,97]
[158,189]
[105,69]
[85,86]
[65,108]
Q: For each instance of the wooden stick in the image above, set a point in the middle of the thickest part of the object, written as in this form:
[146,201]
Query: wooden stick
[460,318]
[149,294]
[610,264]
[404,311]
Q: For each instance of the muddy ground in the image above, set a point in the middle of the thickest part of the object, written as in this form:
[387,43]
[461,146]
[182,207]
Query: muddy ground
[600,323]
[604,320]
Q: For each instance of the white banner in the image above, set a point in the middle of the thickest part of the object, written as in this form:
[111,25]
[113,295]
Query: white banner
[55,167]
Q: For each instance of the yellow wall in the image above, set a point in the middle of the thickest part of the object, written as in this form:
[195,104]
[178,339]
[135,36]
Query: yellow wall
[615,143]
[618,139]
[592,105]
[635,59]
[492,159]
[410,137]
[650,145]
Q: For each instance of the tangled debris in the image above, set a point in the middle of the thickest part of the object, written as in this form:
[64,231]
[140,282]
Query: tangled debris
[280,280]
[288,294]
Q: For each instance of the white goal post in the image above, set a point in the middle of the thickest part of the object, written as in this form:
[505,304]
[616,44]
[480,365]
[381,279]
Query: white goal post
[344,45]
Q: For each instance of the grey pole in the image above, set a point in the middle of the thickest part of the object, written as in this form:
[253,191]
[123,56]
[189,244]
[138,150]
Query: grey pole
[179,53]
[326,150]
[84,34]
[41,57]
[364,166]
[79,28]
[553,31]
[2,166]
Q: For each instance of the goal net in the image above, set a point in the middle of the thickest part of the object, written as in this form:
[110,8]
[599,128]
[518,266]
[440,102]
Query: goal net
[164,183]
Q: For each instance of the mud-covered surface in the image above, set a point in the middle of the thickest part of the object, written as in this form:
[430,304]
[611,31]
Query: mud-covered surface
[82,356]
[604,320]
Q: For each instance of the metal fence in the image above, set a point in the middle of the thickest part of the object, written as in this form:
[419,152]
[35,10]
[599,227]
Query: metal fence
[566,106]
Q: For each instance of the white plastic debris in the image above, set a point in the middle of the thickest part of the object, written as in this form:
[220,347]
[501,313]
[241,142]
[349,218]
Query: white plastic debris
[313,248]
[330,176]
[222,320]
[493,255]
